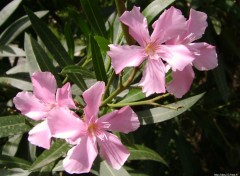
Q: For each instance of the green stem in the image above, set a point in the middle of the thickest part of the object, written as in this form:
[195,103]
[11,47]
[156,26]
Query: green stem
[121,9]
[145,102]
[121,87]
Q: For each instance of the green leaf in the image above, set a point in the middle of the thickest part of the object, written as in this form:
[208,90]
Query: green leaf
[134,94]
[139,152]
[69,39]
[106,170]
[54,47]
[8,10]
[98,64]
[37,58]
[12,125]
[102,43]
[58,149]
[153,9]
[11,51]
[11,146]
[160,114]
[10,162]
[79,70]
[18,83]
[92,11]
[14,172]
[9,34]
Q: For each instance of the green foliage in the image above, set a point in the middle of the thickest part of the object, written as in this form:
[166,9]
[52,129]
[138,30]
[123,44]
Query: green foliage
[196,135]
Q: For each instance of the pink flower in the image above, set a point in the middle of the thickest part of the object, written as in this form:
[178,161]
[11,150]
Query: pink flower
[169,25]
[205,54]
[38,104]
[89,131]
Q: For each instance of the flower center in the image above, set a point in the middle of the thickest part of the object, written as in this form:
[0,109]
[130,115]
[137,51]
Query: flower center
[50,106]
[92,128]
[151,49]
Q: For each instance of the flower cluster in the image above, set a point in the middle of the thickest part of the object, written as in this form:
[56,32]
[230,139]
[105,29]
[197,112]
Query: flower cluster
[58,120]
[170,49]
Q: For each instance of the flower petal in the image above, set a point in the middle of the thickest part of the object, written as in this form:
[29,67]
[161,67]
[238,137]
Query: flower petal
[196,25]
[29,105]
[170,24]
[206,56]
[177,56]
[113,151]
[124,120]
[126,56]
[137,24]
[64,97]
[181,82]
[65,124]
[153,79]
[40,135]
[80,158]
[44,86]
[92,98]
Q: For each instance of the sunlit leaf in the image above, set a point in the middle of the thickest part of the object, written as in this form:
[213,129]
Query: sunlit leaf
[57,150]
[139,152]
[8,10]
[10,161]
[14,82]
[160,114]
[12,125]
[11,51]
[106,170]
[9,34]
[37,58]
[69,39]
[11,146]
[153,9]
[134,94]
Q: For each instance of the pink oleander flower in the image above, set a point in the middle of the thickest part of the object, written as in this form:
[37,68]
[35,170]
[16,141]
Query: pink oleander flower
[205,54]
[38,104]
[152,48]
[85,133]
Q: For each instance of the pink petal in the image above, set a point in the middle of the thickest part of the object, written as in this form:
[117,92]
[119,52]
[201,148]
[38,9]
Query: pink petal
[137,23]
[206,56]
[124,120]
[64,97]
[153,79]
[177,56]
[170,24]
[44,86]
[92,98]
[30,106]
[196,26]
[113,151]
[126,56]
[80,158]
[40,135]
[181,82]
[65,124]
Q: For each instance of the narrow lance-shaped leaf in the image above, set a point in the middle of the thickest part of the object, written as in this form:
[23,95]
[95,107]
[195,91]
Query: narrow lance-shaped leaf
[54,47]
[98,64]
[37,59]
[58,149]
[8,10]
[11,146]
[69,39]
[153,9]
[160,114]
[78,69]
[93,13]
[15,82]
[106,170]
[13,162]
[12,125]
[134,94]
[17,27]
[11,51]
[139,152]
